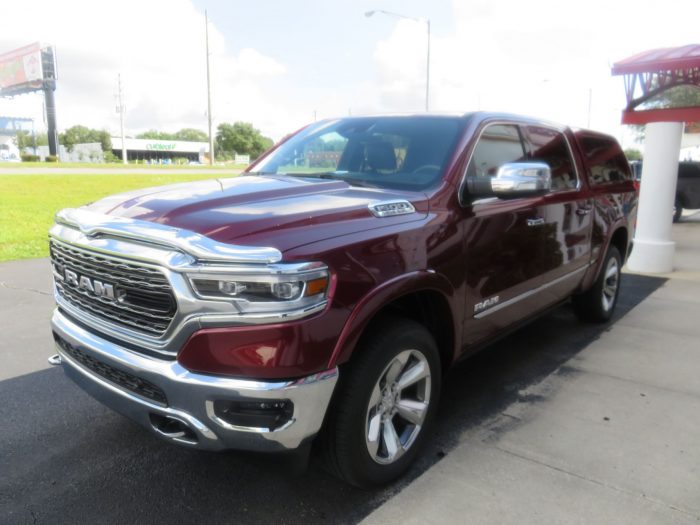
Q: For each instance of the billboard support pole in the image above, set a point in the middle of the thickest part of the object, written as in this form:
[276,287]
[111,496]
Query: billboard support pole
[51,120]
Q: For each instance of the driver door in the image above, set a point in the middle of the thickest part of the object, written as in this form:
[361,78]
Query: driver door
[503,241]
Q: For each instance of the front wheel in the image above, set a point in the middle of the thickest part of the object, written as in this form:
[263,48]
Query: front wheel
[386,402]
[598,303]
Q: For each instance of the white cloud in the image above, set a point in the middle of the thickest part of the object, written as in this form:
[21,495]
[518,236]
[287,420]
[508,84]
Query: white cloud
[542,58]
[254,63]
[158,47]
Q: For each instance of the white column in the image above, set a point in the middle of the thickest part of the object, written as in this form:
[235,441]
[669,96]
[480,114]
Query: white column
[653,248]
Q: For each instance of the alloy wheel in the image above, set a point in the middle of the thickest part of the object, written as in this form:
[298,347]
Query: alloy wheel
[398,407]
[610,283]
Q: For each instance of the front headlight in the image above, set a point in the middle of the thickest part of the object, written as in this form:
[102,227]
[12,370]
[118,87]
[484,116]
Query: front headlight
[276,291]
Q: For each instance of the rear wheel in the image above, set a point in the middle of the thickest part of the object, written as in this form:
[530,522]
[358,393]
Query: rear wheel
[387,400]
[598,303]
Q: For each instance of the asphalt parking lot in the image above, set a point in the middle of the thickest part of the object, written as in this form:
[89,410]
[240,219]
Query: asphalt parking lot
[66,459]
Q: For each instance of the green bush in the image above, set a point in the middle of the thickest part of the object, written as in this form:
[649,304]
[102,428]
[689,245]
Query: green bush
[51,158]
[28,157]
[111,157]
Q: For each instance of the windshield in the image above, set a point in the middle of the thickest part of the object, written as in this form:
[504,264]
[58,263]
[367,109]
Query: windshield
[405,153]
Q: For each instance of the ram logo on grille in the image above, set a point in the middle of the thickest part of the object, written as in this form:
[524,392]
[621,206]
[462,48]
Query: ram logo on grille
[83,282]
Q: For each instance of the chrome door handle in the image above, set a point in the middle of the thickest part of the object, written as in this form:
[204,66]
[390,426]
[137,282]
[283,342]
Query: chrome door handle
[539,221]
[583,211]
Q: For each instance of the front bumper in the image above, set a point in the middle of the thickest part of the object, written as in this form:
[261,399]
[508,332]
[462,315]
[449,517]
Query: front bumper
[187,414]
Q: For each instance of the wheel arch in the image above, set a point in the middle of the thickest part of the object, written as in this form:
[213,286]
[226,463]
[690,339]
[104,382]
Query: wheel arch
[425,297]
[620,239]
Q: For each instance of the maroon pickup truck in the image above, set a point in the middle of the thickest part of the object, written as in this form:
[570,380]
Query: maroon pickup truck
[326,291]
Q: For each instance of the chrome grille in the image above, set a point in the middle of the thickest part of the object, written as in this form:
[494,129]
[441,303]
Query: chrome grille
[142,297]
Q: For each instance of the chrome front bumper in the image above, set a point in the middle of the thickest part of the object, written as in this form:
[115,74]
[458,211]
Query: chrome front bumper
[188,418]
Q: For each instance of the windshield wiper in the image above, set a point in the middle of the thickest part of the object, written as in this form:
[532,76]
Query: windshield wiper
[335,175]
[315,174]
[328,175]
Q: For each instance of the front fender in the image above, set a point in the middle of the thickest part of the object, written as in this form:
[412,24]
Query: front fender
[379,297]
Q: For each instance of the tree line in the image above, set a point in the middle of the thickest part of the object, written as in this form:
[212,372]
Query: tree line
[69,138]
[240,138]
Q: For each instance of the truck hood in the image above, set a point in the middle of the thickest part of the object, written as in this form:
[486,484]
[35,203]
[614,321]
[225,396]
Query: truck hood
[277,211]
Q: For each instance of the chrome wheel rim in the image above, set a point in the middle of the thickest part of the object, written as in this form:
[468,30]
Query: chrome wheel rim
[611,281]
[397,407]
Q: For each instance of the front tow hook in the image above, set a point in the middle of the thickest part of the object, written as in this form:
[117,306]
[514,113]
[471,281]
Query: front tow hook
[55,360]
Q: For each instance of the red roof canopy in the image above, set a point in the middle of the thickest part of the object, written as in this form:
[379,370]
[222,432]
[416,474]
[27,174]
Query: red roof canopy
[654,72]
[684,57]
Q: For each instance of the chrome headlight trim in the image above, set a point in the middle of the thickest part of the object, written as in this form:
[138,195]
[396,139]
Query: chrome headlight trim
[247,304]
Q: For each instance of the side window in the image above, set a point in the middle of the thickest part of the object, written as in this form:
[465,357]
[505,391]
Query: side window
[605,159]
[498,145]
[549,146]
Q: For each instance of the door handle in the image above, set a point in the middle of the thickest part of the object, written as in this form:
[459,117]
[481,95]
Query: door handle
[583,211]
[539,221]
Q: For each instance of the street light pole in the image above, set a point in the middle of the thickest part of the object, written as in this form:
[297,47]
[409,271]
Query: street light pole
[427,71]
[211,138]
[427,65]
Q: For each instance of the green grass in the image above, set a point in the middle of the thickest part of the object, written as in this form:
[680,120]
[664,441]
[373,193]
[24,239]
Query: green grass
[29,202]
[85,165]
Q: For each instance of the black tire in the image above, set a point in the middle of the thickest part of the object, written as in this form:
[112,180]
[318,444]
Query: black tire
[598,304]
[346,442]
[677,210]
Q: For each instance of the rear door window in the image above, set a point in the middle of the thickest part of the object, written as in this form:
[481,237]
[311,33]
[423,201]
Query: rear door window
[550,146]
[606,162]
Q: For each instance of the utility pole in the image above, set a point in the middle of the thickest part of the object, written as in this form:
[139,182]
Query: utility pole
[33,137]
[211,138]
[120,109]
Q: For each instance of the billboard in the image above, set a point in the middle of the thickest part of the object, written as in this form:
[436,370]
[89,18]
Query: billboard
[27,69]
[11,125]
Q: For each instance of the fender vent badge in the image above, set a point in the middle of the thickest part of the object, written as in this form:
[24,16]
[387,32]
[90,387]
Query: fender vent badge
[391,208]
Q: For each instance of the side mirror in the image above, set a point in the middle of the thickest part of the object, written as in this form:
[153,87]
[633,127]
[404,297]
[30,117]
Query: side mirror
[520,179]
[514,179]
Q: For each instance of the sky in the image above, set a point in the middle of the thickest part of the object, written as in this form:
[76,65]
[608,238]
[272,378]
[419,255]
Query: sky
[280,64]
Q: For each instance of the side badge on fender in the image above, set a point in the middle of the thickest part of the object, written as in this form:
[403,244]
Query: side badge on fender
[486,303]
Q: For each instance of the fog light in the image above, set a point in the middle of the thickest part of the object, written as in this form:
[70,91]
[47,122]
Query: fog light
[269,414]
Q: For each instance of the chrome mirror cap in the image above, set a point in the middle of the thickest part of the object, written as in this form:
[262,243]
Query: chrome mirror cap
[521,178]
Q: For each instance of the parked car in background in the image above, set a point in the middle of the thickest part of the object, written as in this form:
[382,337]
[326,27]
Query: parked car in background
[687,187]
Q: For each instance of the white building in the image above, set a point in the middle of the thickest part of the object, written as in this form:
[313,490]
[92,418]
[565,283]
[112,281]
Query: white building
[160,150]
[8,149]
